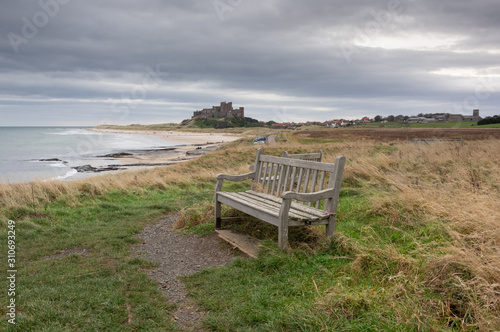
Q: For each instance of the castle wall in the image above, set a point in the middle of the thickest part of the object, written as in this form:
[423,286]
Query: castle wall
[225,110]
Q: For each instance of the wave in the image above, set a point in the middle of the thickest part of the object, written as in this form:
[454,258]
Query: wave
[61,164]
[75,131]
[65,176]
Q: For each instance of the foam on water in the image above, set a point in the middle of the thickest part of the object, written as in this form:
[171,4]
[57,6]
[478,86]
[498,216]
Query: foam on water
[74,132]
[67,175]
[59,164]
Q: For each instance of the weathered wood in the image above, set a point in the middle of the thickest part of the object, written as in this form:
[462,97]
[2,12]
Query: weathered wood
[314,165]
[271,206]
[283,224]
[295,205]
[258,160]
[296,213]
[241,177]
[245,243]
[313,185]
[321,185]
[290,186]
[304,156]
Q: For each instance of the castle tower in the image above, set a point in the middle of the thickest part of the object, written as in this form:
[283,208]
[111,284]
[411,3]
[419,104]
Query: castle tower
[475,115]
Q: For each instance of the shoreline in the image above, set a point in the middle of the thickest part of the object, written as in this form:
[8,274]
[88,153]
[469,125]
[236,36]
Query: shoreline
[176,136]
[191,146]
[56,164]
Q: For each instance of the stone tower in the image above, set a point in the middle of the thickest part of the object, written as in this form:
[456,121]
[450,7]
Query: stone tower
[475,115]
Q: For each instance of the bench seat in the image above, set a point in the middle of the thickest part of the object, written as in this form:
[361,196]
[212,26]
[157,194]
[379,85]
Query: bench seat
[250,200]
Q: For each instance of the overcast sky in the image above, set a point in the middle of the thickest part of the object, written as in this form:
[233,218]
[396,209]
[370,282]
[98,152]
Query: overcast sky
[75,62]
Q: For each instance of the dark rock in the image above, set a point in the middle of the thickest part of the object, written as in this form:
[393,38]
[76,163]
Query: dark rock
[116,155]
[195,152]
[201,151]
[51,159]
[92,169]
[142,164]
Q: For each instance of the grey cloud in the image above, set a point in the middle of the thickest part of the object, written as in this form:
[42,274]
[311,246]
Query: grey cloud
[289,49]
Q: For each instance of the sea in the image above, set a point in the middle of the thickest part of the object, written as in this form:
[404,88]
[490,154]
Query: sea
[51,153]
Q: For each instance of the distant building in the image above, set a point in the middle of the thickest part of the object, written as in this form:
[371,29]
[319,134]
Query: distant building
[225,110]
[420,119]
[462,118]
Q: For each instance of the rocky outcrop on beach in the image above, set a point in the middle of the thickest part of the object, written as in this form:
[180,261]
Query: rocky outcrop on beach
[116,155]
[200,151]
[92,169]
[53,159]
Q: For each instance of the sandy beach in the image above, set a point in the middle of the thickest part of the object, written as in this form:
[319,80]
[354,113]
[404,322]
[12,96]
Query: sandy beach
[178,136]
[192,145]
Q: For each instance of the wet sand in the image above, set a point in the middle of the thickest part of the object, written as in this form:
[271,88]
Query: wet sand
[192,145]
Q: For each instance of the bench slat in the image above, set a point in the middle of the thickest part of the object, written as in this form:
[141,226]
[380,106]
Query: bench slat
[243,206]
[313,185]
[295,213]
[272,207]
[321,187]
[265,174]
[298,206]
[292,182]
[299,163]
[306,184]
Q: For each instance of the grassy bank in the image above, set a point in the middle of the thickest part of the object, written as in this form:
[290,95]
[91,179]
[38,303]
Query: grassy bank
[464,124]
[416,248]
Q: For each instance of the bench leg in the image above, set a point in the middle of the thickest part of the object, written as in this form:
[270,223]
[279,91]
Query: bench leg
[331,226]
[218,220]
[283,224]
[283,236]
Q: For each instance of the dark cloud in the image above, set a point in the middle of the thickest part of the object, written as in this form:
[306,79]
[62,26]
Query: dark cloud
[65,60]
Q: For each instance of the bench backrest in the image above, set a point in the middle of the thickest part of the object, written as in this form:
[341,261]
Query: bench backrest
[276,175]
[316,156]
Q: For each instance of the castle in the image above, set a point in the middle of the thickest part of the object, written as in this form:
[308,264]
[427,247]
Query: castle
[225,110]
[460,118]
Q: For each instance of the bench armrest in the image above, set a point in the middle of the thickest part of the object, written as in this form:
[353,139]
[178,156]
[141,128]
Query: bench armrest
[221,177]
[310,197]
[241,177]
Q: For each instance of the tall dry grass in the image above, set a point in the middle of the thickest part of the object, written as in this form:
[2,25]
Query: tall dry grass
[459,186]
[456,186]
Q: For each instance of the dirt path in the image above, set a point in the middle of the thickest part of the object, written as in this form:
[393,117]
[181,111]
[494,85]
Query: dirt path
[271,139]
[178,255]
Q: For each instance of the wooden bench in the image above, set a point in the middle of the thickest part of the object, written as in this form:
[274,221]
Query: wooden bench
[286,192]
[316,156]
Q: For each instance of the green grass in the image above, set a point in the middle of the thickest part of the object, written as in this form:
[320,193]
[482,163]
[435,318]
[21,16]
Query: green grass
[100,287]
[312,141]
[493,125]
[348,284]
[466,124]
